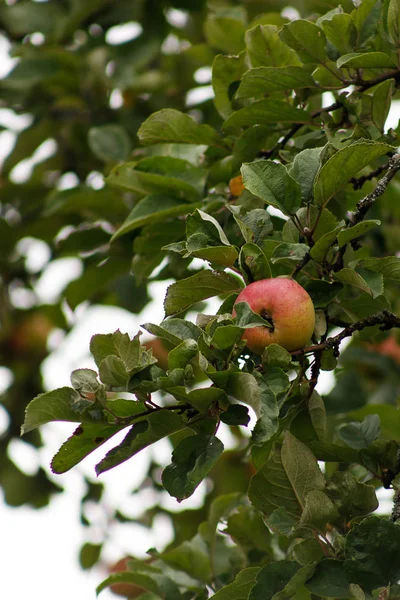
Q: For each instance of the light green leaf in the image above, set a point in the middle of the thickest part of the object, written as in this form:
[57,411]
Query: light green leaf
[226,70]
[304,169]
[307,39]
[273,184]
[172,126]
[265,48]
[381,103]
[343,165]
[351,233]
[341,32]
[366,60]
[224,33]
[262,81]
[57,405]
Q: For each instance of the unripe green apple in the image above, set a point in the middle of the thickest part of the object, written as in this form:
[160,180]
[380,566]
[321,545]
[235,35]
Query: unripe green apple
[285,304]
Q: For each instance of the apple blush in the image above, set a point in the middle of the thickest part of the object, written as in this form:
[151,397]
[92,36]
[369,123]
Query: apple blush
[286,306]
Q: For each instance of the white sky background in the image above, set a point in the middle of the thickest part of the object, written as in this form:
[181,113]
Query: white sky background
[39,548]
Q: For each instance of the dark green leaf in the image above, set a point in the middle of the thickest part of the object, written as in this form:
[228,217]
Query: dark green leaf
[202,285]
[239,589]
[253,263]
[266,111]
[236,415]
[161,174]
[156,426]
[304,169]
[152,208]
[374,285]
[381,103]
[109,143]
[329,580]
[372,549]
[343,165]
[89,555]
[192,459]
[351,233]
[361,435]
[85,439]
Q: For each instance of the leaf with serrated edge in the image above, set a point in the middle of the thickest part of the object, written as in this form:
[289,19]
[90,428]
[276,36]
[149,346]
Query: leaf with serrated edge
[172,126]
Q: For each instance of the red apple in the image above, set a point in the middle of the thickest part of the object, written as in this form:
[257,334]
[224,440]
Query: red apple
[287,306]
[129,590]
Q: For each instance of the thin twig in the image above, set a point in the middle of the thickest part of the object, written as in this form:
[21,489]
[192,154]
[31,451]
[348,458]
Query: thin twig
[385,318]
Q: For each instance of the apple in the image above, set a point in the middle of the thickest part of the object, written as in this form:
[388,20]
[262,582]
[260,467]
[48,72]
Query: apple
[388,347]
[129,590]
[285,304]
[160,351]
[236,186]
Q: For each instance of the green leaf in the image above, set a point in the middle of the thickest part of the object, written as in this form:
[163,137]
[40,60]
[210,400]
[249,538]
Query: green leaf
[265,48]
[322,292]
[247,318]
[351,233]
[192,459]
[236,415]
[341,32]
[247,528]
[371,553]
[254,225]
[201,223]
[374,285]
[161,174]
[273,184]
[109,143]
[307,39]
[145,432]
[266,111]
[262,81]
[89,555]
[285,479]
[276,356]
[319,510]
[205,284]
[351,497]
[224,33]
[273,578]
[57,405]
[366,60]
[304,169]
[329,580]
[361,435]
[153,208]
[239,589]
[287,253]
[322,246]
[172,126]
[389,266]
[253,263]
[85,439]
[393,21]
[226,70]
[316,409]
[191,557]
[174,330]
[343,165]
[381,103]
[181,355]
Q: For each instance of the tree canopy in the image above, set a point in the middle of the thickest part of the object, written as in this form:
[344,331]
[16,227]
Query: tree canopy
[212,145]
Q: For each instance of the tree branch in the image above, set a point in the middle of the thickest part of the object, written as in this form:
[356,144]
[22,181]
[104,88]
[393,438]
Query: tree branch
[385,318]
